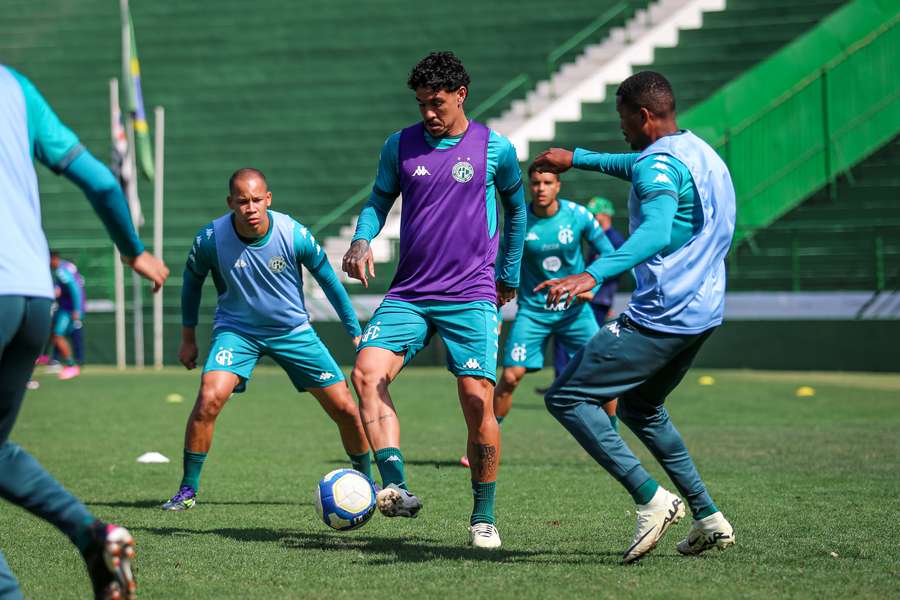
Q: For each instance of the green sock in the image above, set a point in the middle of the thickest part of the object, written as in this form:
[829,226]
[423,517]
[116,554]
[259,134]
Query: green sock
[500,420]
[390,466]
[362,463]
[645,492]
[702,514]
[483,511]
[70,362]
[615,422]
[83,537]
[193,464]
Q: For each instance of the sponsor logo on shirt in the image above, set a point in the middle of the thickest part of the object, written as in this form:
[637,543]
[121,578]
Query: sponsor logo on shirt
[420,171]
[552,264]
[277,264]
[532,236]
[463,171]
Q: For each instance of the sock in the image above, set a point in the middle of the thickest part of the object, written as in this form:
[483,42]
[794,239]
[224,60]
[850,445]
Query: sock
[645,491]
[362,463]
[70,362]
[84,536]
[483,510]
[702,514]
[500,420]
[390,466]
[615,422]
[193,464]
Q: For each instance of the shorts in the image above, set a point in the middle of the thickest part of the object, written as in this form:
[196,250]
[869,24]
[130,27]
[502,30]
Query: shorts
[63,323]
[470,330]
[301,354]
[527,340]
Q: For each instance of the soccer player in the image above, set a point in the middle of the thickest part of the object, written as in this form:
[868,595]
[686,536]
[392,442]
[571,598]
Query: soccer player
[29,128]
[255,257]
[553,248]
[450,171]
[682,211]
[69,309]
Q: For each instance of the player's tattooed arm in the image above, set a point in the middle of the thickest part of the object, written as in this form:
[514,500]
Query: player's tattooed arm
[358,261]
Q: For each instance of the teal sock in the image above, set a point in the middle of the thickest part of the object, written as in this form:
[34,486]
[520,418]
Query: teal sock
[390,466]
[193,464]
[615,422]
[500,420]
[645,492]
[709,510]
[483,511]
[83,537]
[362,463]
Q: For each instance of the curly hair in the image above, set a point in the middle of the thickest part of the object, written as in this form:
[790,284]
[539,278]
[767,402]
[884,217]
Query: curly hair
[650,90]
[439,71]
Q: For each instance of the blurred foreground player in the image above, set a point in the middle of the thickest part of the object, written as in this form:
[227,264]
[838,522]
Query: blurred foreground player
[29,128]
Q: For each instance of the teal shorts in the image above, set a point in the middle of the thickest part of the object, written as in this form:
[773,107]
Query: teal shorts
[301,354]
[63,324]
[470,330]
[527,340]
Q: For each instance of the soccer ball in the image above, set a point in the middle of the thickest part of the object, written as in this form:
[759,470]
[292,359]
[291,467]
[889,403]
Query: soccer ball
[345,499]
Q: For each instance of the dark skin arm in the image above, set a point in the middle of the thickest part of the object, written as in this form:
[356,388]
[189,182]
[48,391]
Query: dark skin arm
[567,288]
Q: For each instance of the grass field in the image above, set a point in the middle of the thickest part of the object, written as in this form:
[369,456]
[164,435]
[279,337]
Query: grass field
[810,484]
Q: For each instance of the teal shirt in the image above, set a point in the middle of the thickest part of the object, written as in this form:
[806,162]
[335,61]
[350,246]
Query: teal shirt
[553,249]
[669,208]
[203,259]
[503,177]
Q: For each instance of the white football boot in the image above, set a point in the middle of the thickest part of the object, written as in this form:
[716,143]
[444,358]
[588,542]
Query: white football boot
[709,532]
[484,535]
[653,519]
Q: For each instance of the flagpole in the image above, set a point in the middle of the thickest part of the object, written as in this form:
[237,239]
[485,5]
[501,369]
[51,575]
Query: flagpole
[118,269]
[159,123]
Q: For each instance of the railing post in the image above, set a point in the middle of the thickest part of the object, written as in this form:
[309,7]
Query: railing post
[879,263]
[795,266]
[826,136]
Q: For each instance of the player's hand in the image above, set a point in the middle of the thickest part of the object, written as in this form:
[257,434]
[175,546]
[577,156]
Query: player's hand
[187,354]
[356,341]
[149,267]
[504,293]
[567,288]
[559,159]
[358,261]
[585,296]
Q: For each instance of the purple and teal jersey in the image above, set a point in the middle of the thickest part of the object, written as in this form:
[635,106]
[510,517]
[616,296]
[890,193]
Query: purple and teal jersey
[30,129]
[449,228]
[260,283]
[71,287]
[553,249]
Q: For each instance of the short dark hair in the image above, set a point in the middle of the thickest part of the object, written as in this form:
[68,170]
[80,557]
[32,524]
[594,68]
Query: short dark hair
[535,168]
[440,71]
[650,90]
[243,173]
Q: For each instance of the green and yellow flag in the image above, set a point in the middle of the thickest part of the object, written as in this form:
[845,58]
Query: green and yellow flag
[134,101]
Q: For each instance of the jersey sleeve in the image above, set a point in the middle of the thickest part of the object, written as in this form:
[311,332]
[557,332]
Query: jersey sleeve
[656,175]
[384,191]
[592,233]
[311,255]
[617,165]
[67,280]
[53,144]
[201,259]
[508,177]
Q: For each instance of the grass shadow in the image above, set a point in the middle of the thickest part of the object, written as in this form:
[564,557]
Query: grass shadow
[389,550]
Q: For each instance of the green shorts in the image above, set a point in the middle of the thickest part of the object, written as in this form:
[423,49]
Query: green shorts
[301,354]
[470,331]
[63,324]
[527,340]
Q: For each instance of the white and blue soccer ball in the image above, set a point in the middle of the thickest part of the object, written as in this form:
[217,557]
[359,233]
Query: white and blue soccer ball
[345,499]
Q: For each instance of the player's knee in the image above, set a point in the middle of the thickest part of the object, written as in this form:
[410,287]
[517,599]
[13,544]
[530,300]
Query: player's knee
[510,379]
[209,404]
[367,380]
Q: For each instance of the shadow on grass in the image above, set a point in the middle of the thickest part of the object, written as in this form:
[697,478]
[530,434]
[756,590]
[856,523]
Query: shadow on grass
[437,464]
[389,550]
[157,502]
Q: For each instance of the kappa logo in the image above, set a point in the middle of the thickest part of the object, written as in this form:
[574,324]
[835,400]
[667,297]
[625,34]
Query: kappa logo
[660,166]
[392,458]
[463,171]
[225,356]
[472,364]
[565,235]
[241,264]
[531,237]
[613,328]
[519,352]
[277,264]
[209,233]
[420,171]
[372,331]
[662,178]
[326,375]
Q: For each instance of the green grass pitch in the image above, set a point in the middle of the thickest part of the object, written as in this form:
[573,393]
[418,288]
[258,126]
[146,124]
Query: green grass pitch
[811,485]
